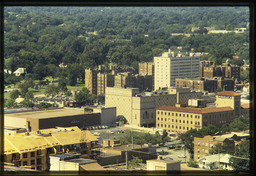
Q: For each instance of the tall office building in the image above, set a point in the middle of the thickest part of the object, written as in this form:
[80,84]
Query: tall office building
[172,65]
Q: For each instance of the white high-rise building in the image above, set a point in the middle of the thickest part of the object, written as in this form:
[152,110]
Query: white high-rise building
[173,65]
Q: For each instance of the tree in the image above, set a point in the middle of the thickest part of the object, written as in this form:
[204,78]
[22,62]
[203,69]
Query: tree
[10,103]
[121,118]
[62,85]
[51,90]
[135,161]
[218,148]
[27,103]
[29,95]
[43,105]
[84,97]
[14,94]
[192,163]
[239,124]
[241,161]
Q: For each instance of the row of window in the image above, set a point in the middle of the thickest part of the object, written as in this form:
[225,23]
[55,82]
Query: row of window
[175,126]
[177,115]
[191,122]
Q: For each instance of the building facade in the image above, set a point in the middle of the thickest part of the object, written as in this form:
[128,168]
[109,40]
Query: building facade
[206,84]
[229,98]
[182,119]
[139,109]
[208,69]
[171,66]
[33,149]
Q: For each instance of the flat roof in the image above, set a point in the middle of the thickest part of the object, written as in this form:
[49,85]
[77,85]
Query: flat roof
[81,161]
[228,93]
[48,113]
[195,110]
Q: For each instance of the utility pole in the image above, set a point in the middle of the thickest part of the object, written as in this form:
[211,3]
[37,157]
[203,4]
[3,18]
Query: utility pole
[126,157]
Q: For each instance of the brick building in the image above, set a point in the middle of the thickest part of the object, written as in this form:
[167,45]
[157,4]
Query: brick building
[206,84]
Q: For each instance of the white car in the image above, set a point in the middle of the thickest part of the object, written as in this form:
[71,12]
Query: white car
[96,134]
[111,132]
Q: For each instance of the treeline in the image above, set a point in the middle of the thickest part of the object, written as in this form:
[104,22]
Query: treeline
[39,37]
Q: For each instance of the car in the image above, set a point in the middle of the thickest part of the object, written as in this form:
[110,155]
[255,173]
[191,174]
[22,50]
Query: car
[171,147]
[96,134]
[111,132]
[178,146]
[181,156]
[120,131]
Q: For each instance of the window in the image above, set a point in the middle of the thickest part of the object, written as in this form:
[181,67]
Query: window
[25,155]
[32,154]
[25,163]
[32,162]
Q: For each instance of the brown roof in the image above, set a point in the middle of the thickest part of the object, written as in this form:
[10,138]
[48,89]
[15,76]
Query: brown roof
[195,110]
[229,93]
[245,106]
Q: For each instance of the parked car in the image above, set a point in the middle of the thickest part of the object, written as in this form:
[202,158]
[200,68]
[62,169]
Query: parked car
[111,132]
[171,147]
[181,156]
[96,134]
[120,131]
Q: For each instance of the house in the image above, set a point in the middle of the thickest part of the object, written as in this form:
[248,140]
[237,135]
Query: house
[218,161]
[20,71]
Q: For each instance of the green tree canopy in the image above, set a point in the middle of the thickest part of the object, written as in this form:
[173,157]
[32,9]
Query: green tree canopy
[84,97]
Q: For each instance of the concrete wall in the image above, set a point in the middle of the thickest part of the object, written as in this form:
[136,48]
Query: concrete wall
[14,122]
[69,166]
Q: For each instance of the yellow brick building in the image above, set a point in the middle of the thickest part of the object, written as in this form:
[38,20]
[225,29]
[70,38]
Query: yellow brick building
[182,119]
[33,149]
[140,109]
[229,98]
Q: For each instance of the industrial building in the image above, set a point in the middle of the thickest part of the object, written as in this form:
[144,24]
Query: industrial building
[42,119]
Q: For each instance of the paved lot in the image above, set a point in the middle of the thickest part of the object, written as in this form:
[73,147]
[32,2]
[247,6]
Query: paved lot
[171,153]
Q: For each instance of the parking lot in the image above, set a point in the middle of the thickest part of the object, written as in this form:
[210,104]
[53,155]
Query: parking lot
[175,154]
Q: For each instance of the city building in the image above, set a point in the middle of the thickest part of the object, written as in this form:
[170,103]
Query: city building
[231,99]
[182,119]
[35,120]
[146,68]
[206,84]
[140,108]
[96,80]
[73,162]
[34,148]
[172,65]
[208,69]
[107,114]
[202,145]
[160,164]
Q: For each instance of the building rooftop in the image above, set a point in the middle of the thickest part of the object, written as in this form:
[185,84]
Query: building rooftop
[246,106]
[162,161]
[228,93]
[28,142]
[195,110]
[47,113]
[81,161]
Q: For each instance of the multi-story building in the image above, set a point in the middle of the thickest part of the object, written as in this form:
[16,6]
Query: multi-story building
[202,145]
[172,65]
[97,80]
[146,68]
[33,149]
[139,108]
[208,69]
[104,80]
[91,80]
[206,84]
[182,119]
[231,99]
